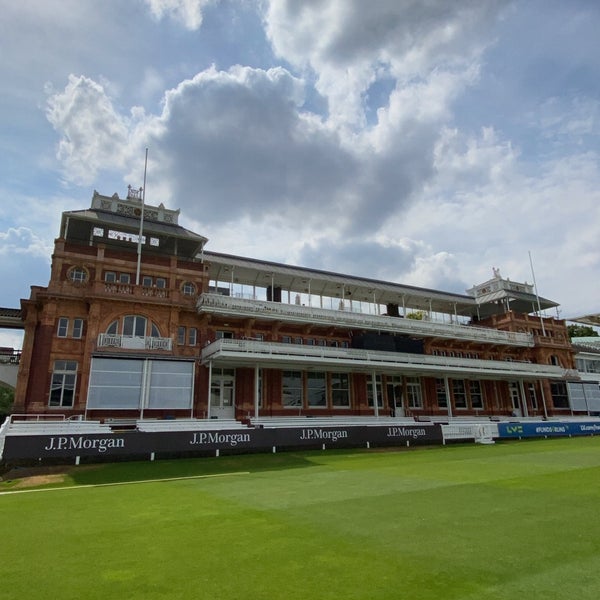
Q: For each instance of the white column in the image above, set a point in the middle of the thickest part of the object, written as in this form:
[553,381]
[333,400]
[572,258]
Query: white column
[209,387]
[448,396]
[523,398]
[543,399]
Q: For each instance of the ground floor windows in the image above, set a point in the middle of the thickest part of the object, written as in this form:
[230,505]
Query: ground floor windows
[459,393]
[393,388]
[413,392]
[440,393]
[560,397]
[315,390]
[476,394]
[340,390]
[379,391]
[62,387]
[292,389]
[532,395]
[132,384]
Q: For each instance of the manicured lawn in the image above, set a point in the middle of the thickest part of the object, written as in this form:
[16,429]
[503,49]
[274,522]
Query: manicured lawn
[512,520]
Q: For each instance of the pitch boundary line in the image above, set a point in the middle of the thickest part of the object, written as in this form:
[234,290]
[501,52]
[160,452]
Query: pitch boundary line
[116,483]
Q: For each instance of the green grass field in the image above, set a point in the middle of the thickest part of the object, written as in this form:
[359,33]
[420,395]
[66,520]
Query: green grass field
[513,520]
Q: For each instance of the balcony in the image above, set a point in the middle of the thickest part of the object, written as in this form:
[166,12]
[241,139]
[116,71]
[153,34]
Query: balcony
[127,342]
[122,291]
[292,313]
[236,353]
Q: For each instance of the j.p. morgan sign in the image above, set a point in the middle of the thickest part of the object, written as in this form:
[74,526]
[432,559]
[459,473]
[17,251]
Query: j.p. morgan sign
[135,443]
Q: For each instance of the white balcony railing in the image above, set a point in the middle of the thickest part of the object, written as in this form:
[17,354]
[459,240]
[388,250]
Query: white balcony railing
[216,303]
[293,355]
[128,342]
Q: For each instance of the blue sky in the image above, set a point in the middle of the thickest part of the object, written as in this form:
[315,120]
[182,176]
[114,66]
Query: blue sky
[421,142]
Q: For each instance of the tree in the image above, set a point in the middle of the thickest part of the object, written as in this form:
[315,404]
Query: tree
[7,397]
[576,331]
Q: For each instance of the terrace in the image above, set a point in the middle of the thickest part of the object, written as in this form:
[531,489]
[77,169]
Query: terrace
[275,355]
[293,313]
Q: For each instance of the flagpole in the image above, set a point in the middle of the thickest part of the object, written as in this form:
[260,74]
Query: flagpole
[537,295]
[139,247]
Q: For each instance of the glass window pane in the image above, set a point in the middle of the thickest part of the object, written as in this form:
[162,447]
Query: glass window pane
[63,327]
[316,390]
[292,389]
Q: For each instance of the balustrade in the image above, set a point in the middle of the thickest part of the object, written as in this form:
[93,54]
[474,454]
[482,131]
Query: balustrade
[217,303]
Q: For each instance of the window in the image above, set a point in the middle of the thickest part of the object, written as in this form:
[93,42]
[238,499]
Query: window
[554,360]
[77,275]
[134,325]
[188,288]
[77,328]
[126,384]
[224,335]
[413,391]
[560,397]
[292,388]
[532,395]
[395,392]
[260,389]
[440,392]
[309,342]
[147,281]
[297,340]
[340,390]
[124,278]
[379,391]
[192,336]
[63,327]
[286,339]
[316,384]
[476,394]
[181,335]
[459,393]
[62,387]
[161,282]
[515,395]
[110,277]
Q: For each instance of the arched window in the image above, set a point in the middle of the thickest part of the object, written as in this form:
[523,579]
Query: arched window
[134,326]
[77,275]
[188,288]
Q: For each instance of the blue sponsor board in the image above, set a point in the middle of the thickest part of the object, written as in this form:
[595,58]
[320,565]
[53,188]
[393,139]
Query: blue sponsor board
[547,429]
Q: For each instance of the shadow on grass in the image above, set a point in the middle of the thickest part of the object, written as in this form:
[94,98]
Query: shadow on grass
[187,467]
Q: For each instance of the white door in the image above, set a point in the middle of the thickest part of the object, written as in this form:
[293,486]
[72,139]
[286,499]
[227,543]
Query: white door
[222,394]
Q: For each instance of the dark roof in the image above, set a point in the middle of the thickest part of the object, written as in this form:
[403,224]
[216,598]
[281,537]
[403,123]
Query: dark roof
[11,318]
[77,225]
[262,273]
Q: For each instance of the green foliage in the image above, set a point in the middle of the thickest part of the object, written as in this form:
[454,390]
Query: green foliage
[512,520]
[581,331]
[7,397]
[417,315]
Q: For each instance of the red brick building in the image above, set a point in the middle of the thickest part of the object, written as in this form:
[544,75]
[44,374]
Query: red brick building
[154,328]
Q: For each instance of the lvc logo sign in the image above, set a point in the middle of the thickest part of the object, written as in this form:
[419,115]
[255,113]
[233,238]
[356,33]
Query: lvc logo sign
[514,429]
